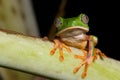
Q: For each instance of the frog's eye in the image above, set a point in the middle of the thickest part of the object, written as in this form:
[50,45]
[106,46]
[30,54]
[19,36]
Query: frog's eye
[58,22]
[85,19]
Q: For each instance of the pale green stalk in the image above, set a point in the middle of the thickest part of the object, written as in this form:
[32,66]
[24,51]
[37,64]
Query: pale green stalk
[17,15]
[32,55]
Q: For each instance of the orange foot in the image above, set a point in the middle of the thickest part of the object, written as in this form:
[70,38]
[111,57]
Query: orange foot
[59,45]
[97,53]
[89,56]
[87,60]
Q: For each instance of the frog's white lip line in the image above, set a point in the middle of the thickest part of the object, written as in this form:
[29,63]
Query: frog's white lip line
[78,27]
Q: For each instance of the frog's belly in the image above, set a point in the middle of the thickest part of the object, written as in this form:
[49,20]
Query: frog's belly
[78,43]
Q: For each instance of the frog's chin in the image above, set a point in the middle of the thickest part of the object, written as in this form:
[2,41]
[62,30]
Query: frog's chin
[75,30]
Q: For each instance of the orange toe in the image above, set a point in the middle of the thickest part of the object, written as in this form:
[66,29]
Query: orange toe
[59,45]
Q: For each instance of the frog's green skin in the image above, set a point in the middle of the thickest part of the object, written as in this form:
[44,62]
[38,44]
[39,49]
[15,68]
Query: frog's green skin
[72,31]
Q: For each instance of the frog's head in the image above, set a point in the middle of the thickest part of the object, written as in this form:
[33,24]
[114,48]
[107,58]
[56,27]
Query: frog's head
[72,26]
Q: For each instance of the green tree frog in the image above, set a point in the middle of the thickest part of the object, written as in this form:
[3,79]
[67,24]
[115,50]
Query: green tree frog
[72,32]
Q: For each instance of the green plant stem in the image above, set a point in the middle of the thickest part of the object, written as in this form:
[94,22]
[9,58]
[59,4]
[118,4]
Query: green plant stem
[31,55]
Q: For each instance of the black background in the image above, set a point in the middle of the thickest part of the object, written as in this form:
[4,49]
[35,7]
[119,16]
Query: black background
[104,20]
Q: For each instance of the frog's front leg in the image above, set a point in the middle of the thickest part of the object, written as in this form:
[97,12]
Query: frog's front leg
[59,45]
[92,54]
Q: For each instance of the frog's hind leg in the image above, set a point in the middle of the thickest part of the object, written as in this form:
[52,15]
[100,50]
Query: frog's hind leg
[97,52]
[59,45]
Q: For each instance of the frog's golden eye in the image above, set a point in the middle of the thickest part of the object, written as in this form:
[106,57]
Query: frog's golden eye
[85,19]
[58,22]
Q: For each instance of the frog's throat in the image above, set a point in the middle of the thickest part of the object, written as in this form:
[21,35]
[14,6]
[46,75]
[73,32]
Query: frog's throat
[71,28]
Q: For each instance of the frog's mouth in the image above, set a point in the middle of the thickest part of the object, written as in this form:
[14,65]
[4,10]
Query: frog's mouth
[72,31]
